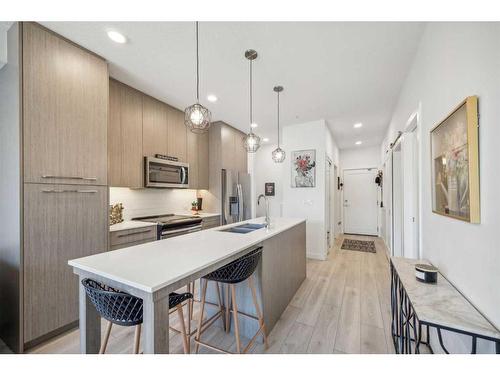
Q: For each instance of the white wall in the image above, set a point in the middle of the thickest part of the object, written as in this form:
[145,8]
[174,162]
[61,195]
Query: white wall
[360,157]
[144,202]
[455,60]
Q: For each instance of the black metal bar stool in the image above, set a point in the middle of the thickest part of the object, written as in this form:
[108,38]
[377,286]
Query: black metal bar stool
[126,310]
[231,274]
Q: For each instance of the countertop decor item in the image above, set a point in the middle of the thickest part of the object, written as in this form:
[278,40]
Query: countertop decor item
[115,213]
[455,163]
[278,154]
[251,141]
[304,168]
[426,273]
[197,117]
[194,207]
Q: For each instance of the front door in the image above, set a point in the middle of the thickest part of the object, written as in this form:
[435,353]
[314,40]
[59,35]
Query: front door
[360,201]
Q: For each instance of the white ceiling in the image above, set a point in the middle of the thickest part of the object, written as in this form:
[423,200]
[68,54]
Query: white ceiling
[342,72]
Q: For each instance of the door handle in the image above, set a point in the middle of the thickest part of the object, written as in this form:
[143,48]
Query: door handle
[69,177]
[69,191]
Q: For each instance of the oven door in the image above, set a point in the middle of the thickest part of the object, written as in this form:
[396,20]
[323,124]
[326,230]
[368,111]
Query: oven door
[174,232]
[165,174]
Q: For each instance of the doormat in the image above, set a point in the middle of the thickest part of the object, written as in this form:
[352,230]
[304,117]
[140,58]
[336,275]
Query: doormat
[359,245]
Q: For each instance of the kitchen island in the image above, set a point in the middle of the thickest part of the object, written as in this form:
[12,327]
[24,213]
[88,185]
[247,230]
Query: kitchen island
[153,270]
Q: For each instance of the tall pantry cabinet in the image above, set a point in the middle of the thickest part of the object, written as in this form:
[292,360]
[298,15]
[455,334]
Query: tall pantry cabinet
[63,191]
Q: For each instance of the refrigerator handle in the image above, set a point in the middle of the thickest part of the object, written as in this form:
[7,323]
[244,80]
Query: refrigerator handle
[240,202]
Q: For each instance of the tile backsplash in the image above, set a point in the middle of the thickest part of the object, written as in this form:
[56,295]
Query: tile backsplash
[144,202]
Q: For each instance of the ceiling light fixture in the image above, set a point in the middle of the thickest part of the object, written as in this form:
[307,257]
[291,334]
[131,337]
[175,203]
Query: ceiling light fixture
[251,141]
[212,98]
[254,125]
[197,117]
[278,154]
[115,36]
[358,143]
[358,125]
[265,140]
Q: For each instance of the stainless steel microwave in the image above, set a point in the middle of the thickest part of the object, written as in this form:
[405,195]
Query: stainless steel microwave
[160,173]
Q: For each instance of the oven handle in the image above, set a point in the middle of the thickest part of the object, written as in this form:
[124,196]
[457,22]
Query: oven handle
[187,230]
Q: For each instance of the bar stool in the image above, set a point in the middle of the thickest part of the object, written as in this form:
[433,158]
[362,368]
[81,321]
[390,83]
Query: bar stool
[124,309]
[231,274]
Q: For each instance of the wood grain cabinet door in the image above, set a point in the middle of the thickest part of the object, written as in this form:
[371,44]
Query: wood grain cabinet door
[177,135]
[125,135]
[154,127]
[192,159]
[203,161]
[61,222]
[65,110]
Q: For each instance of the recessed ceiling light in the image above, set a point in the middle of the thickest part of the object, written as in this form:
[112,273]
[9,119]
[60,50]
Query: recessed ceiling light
[254,125]
[265,139]
[212,98]
[358,125]
[115,36]
[358,143]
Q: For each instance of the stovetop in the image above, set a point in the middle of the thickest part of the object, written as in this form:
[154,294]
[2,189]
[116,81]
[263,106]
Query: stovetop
[169,219]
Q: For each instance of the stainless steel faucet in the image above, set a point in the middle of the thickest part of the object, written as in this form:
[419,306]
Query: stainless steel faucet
[268,219]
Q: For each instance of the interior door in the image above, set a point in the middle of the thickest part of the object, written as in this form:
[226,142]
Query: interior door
[360,201]
[409,148]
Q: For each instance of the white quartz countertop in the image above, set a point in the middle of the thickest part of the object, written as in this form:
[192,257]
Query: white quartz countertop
[152,266]
[129,224]
[441,303]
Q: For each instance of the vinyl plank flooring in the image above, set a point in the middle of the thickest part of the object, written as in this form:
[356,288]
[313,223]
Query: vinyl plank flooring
[323,337]
[348,339]
[297,340]
[373,340]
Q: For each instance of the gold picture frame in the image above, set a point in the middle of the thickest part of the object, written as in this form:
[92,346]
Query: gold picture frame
[455,163]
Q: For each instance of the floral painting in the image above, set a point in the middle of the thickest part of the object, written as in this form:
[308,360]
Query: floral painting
[450,164]
[304,168]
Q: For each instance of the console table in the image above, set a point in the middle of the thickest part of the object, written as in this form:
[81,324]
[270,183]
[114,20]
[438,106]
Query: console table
[417,306]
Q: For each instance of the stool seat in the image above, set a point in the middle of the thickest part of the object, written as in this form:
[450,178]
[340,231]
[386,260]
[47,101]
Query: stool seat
[238,270]
[124,309]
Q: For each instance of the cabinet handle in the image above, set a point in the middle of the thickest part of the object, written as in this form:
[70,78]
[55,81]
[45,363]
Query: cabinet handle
[69,191]
[70,177]
[132,233]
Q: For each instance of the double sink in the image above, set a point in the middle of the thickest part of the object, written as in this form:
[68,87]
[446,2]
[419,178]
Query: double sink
[244,228]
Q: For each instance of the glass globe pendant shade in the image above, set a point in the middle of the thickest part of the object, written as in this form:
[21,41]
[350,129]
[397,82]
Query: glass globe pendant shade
[278,155]
[197,118]
[251,142]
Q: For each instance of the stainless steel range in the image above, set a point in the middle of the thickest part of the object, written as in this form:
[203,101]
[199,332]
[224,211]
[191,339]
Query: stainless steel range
[170,225]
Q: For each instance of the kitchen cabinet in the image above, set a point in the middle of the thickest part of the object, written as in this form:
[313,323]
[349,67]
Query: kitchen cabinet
[65,109]
[61,222]
[125,129]
[197,157]
[210,222]
[233,154]
[131,237]
[177,135]
[154,127]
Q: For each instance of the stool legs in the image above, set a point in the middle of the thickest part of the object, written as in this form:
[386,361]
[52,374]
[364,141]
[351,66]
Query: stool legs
[105,339]
[137,338]
[235,317]
[202,310]
[227,321]
[185,342]
[262,325]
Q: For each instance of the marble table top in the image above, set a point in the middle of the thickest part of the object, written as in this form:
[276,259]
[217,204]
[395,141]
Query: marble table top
[441,303]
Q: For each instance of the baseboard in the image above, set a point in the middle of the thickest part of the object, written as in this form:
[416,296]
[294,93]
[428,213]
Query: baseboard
[316,256]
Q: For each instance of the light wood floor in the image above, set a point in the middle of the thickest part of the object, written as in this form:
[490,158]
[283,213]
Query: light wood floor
[342,307]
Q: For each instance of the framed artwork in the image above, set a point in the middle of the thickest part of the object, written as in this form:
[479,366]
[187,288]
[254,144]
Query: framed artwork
[303,168]
[269,189]
[455,164]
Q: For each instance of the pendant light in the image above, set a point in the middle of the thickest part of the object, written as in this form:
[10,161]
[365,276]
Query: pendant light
[251,141]
[197,117]
[278,154]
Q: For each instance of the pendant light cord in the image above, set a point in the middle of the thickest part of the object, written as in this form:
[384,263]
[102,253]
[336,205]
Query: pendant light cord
[251,115]
[278,119]
[197,67]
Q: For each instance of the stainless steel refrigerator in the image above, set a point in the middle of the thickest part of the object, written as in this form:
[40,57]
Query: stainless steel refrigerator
[236,196]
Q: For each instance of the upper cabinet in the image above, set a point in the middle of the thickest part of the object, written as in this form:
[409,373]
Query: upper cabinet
[125,148]
[177,135]
[65,110]
[233,154]
[140,126]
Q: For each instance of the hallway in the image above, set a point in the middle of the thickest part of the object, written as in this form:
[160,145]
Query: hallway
[342,307]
